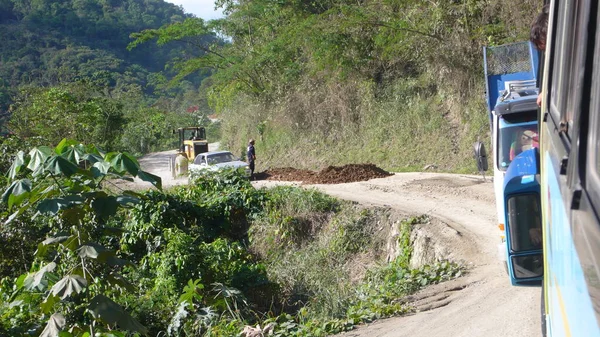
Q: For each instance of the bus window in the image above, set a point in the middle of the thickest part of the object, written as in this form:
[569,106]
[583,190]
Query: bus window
[563,46]
[593,158]
[528,266]
[577,58]
[514,139]
[524,222]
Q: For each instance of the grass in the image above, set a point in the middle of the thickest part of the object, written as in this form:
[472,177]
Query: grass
[332,273]
[403,129]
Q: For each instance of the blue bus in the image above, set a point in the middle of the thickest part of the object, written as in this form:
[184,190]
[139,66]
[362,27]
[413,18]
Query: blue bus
[510,73]
[570,169]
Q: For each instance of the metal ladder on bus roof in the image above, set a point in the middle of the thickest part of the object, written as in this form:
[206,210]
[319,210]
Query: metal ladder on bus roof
[522,88]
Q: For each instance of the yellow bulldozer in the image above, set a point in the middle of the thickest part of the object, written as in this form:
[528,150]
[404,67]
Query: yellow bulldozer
[192,141]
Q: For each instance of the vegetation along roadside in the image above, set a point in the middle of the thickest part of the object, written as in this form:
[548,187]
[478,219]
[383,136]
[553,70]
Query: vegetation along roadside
[206,259]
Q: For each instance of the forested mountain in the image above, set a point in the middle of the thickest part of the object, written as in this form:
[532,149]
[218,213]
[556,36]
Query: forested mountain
[48,42]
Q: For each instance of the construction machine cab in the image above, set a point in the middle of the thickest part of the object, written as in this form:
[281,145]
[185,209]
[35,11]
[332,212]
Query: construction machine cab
[192,141]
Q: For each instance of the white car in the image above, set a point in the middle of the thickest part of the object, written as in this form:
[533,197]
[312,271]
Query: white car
[217,160]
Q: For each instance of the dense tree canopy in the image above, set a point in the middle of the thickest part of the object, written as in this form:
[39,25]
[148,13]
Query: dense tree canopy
[49,42]
[274,44]
[65,71]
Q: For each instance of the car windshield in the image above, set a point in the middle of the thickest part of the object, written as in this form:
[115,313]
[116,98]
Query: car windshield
[220,158]
[514,139]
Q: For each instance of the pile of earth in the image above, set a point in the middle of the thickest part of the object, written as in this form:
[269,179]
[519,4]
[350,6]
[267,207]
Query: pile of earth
[329,175]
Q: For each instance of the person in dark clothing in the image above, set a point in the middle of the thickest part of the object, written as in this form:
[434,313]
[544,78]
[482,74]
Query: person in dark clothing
[539,29]
[537,36]
[251,155]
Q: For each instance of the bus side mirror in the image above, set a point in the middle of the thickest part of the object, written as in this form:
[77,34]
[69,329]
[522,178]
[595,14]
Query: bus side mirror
[480,157]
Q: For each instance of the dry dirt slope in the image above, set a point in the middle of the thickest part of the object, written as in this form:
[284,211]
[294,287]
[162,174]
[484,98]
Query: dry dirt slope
[480,304]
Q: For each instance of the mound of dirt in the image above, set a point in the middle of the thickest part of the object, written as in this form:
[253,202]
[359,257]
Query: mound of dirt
[329,175]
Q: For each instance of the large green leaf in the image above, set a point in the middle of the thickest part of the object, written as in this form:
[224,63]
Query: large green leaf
[54,326]
[91,250]
[105,207]
[42,248]
[100,169]
[20,281]
[101,254]
[93,158]
[109,312]
[118,280]
[17,165]
[58,165]
[17,192]
[56,239]
[44,192]
[73,154]
[94,150]
[123,163]
[151,178]
[38,156]
[38,280]
[73,215]
[54,205]
[70,284]
[49,303]
[64,144]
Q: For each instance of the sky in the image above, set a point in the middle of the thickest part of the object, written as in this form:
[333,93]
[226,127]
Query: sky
[201,8]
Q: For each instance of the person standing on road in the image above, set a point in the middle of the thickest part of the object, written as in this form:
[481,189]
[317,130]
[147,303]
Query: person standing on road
[251,155]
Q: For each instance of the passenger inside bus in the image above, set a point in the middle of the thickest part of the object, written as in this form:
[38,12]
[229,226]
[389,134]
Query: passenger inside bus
[525,140]
[514,140]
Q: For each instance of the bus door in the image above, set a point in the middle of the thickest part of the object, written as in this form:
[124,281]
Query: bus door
[523,228]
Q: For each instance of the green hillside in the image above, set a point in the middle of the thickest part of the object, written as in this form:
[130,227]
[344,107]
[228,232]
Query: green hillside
[49,44]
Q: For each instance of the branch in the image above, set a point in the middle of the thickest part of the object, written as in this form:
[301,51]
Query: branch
[377,23]
[57,184]
[207,50]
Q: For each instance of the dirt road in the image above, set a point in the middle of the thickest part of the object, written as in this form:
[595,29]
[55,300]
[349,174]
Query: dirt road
[482,303]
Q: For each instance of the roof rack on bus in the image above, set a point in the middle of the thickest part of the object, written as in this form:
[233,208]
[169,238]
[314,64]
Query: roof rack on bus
[517,89]
[519,96]
[515,62]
